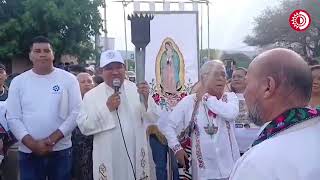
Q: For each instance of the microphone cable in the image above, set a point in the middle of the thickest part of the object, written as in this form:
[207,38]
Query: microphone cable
[125,145]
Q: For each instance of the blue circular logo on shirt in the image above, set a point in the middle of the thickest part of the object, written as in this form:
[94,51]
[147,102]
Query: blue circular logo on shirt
[56,88]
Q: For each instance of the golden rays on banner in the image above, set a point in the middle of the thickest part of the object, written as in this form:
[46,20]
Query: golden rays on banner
[170,68]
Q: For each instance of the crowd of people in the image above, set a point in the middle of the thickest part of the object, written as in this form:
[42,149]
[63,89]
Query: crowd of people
[71,124]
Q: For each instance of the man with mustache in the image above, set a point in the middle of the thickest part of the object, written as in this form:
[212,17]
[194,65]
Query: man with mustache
[279,84]
[113,114]
[206,147]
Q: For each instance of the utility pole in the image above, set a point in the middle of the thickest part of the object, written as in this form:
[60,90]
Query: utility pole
[208,9]
[105,27]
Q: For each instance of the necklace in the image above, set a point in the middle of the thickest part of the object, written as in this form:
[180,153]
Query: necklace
[210,129]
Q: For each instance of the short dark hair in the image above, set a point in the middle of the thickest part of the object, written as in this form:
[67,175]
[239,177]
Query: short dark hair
[2,67]
[98,79]
[313,62]
[40,39]
[76,68]
[315,67]
[168,42]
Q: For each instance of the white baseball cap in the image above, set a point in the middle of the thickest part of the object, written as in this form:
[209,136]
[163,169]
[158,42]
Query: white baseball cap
[110,56]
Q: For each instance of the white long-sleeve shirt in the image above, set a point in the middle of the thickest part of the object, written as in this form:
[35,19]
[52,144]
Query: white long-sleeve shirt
[220,151]
[40,104]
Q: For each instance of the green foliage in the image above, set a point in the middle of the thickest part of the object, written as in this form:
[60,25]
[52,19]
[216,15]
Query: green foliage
[69,24]
[241,59]
[272,27]
[130,65]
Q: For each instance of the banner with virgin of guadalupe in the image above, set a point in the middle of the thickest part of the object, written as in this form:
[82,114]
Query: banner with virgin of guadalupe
[172,56]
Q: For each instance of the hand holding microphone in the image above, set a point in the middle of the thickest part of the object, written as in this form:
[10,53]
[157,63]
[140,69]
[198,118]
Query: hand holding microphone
[114,100]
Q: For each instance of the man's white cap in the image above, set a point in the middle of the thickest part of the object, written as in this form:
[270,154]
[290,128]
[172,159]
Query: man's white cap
[110,56]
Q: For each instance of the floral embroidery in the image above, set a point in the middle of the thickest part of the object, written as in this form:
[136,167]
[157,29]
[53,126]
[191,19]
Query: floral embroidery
[143,161]
[156,98]
[198,148]
[212,114]
[166,101]
[176,148]
[312,111]
[197,145]
[183,94]
[286,120]
[103,172]
[144,175]
[186,143]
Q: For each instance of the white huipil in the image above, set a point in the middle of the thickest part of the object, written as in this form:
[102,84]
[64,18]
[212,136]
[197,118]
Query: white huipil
[219,151]
[110,160]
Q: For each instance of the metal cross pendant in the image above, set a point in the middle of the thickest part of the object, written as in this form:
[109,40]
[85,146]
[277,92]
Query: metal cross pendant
[211,129]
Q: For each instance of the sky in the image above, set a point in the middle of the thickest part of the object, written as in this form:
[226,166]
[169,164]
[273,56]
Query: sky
[230,22]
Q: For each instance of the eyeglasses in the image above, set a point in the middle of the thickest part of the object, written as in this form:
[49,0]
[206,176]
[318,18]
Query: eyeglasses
[112,68]
[238,77]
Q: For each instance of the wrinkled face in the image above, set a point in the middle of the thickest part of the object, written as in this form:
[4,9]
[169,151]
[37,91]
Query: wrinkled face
[253,95]
[86,83]
[316,81]
[238,82]
[215,81]
[3,76]
[114,70]
[41,55]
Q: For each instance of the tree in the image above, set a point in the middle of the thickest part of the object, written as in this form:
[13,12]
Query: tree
[214,54]
[240,58]
[69,24]
[272,27]
[130,65]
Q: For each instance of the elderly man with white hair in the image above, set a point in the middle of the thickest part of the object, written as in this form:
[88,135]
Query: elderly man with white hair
[204,124]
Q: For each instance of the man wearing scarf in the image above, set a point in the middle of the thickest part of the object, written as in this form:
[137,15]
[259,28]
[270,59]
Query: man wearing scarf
[278,91]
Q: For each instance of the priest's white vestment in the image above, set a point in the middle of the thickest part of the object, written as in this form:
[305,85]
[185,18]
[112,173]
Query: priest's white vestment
[110,160]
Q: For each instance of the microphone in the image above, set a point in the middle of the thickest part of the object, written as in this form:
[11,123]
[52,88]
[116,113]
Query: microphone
[116,83]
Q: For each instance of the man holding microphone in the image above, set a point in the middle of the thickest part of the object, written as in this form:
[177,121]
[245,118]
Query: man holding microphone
[113,113]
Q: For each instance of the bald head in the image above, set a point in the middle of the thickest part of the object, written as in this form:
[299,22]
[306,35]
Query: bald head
[277,80]
[288,69]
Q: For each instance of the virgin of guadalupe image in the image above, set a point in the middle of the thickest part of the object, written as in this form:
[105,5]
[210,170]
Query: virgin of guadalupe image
[170,67]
